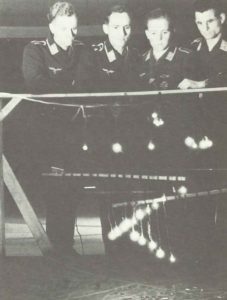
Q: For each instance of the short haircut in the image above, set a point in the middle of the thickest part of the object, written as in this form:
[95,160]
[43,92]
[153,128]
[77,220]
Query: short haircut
[204,5]
[60,8]
[157,14]
[117,9]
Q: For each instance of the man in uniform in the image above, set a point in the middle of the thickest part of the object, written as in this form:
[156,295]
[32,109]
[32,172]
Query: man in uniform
[165,64]
[49,66]
[211,47]
[111,66]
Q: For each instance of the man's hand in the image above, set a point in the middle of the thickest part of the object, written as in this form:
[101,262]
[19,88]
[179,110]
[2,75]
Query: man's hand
[191,84]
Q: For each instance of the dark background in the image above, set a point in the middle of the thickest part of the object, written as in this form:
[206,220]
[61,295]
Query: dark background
[24,20]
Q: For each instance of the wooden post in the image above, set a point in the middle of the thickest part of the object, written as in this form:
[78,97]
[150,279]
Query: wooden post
[2,214]
[25,207]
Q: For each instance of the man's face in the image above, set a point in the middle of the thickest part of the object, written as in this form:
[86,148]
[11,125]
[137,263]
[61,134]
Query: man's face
[64,29]
[118,29]
[209,24]
[158,33]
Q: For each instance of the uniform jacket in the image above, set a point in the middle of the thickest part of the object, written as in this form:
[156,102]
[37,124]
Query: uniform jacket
[212,65]
[103,69]
[48,68]
[166,73]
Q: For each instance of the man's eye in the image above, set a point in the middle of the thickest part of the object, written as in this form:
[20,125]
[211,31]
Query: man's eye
[116,27]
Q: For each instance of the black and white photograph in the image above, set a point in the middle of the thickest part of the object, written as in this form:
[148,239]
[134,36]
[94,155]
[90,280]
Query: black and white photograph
[113,149]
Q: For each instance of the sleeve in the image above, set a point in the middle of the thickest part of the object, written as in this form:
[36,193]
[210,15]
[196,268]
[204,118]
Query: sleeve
[35,72]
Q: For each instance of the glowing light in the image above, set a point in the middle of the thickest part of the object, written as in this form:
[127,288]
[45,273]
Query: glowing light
[85,147]
[172,258]
[148,210]
[140,214]
[160,253]
[111,235]
[155,205]
[117,148]
[182,190]
[151,146]
[190,142]
[142,241]
[205,143]
[154,115]
[158,122]
[134,236]
[134,221]
[152,245]
[125,225]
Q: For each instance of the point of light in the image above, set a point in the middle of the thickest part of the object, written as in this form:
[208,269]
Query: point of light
[111,235]
[125,225]
[182,190]
[155,205]
[117,148]
[160,253]
[85,147]
[140,214]
[148,210]
[154,115]
[134,236]
[151,146]
[190,142]
[172,258]
[205,143]
[152,245]
[142,241]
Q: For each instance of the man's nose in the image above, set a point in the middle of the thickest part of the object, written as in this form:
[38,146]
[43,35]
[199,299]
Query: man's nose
[206,26]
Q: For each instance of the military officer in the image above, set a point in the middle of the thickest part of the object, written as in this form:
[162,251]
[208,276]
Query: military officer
[111,65]
[211,47]
[49,66]
[165,64]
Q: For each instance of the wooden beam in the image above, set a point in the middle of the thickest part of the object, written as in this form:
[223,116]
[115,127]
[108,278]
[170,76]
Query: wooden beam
[25,207]
[2,215]
[4,112]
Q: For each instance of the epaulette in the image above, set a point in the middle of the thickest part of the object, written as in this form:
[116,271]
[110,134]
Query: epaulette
[197,41]
[185,50]
[98,47]
[78,43]
[223,45]
[39,43]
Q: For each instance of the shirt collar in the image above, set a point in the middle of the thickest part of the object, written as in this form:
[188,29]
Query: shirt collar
[53,47]
[111,53]
[168,55]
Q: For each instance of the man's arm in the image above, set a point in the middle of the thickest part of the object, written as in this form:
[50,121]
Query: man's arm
[35,72]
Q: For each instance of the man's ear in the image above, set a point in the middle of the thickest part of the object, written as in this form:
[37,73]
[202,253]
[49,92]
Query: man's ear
[105,28]
[222,17]
[147,34]
[51,27]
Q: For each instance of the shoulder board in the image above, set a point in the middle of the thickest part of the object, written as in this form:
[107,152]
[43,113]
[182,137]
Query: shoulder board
[185,50]
[98,47]
[39,43]
[196,41]
[78,43]
[223,45]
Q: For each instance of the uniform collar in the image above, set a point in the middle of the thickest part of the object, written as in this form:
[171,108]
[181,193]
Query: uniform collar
[168,55]
[111,53]
[221,45]
[53,47]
